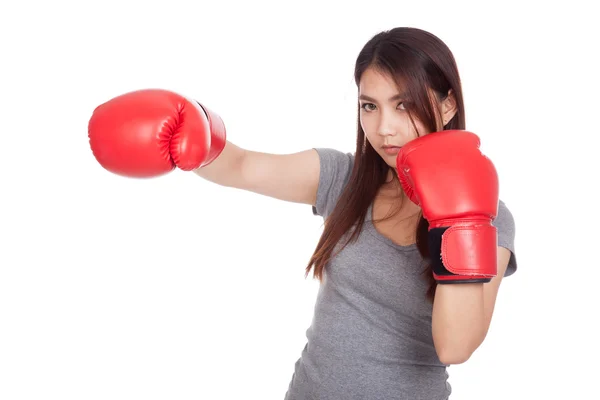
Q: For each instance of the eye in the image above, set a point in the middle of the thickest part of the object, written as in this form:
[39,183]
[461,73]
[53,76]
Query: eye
[401,106]
[368,106]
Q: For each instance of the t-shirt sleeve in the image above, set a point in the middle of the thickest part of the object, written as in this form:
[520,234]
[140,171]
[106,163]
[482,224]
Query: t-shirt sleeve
[335,170]
[505,224]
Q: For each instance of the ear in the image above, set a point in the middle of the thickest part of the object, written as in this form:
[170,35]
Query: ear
[448,107]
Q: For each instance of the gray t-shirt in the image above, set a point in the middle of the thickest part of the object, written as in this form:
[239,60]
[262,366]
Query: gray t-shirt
[370,337]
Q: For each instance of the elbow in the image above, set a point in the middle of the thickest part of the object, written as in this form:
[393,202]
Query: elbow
[457,350]
[453,356]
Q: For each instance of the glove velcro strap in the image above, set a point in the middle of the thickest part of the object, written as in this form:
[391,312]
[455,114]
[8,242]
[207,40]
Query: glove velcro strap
[218,134]
[464,253]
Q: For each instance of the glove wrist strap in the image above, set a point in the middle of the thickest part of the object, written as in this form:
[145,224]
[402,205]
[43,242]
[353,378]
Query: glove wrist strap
[463,253]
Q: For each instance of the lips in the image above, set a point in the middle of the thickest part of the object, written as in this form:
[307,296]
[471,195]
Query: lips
[392,150]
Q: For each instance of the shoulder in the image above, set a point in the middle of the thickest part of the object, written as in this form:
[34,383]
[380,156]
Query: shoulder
[505,221]
[333,160]
[506,227]
[335,170]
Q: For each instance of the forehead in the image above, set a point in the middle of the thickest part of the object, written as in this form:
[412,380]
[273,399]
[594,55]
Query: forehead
[377,84]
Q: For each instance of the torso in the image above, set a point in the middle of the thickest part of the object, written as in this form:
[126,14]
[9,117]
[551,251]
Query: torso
[371,318]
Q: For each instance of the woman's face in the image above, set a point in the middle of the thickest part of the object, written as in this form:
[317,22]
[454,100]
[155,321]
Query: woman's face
[383,116]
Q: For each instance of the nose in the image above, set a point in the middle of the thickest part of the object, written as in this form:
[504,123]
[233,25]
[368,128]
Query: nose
[386,126]
[395,127]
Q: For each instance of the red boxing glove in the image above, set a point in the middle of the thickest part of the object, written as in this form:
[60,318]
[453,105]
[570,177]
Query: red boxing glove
[148,133]
[456,187]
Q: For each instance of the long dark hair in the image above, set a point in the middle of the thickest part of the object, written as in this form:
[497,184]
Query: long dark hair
[418,61]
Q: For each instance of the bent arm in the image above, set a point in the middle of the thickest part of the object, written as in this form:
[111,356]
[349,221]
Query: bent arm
[462,314]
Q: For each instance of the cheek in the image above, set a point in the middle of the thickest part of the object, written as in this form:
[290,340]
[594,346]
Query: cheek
[368,126]
[406,124]
[420,128]
[372,137]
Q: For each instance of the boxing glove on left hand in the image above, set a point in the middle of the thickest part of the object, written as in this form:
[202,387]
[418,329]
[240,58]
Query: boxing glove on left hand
[456,187]
[148,133]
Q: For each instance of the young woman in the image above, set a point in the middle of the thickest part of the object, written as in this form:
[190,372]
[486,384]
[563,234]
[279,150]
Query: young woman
[415,242]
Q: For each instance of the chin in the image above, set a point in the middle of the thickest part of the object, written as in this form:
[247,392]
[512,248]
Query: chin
[389,159]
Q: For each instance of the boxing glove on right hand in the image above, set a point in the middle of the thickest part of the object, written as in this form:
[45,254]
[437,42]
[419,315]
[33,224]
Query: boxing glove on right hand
[148,133]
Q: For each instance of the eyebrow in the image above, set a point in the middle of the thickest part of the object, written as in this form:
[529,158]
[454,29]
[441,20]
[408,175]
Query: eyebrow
[393,98]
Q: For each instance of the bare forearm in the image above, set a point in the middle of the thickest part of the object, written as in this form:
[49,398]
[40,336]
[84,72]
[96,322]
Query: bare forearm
[224,170]
[458,321]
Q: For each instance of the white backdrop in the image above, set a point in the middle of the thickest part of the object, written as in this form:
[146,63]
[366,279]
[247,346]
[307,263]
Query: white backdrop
[175,288]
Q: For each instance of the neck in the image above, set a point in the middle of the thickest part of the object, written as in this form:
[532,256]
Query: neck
[391,177]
